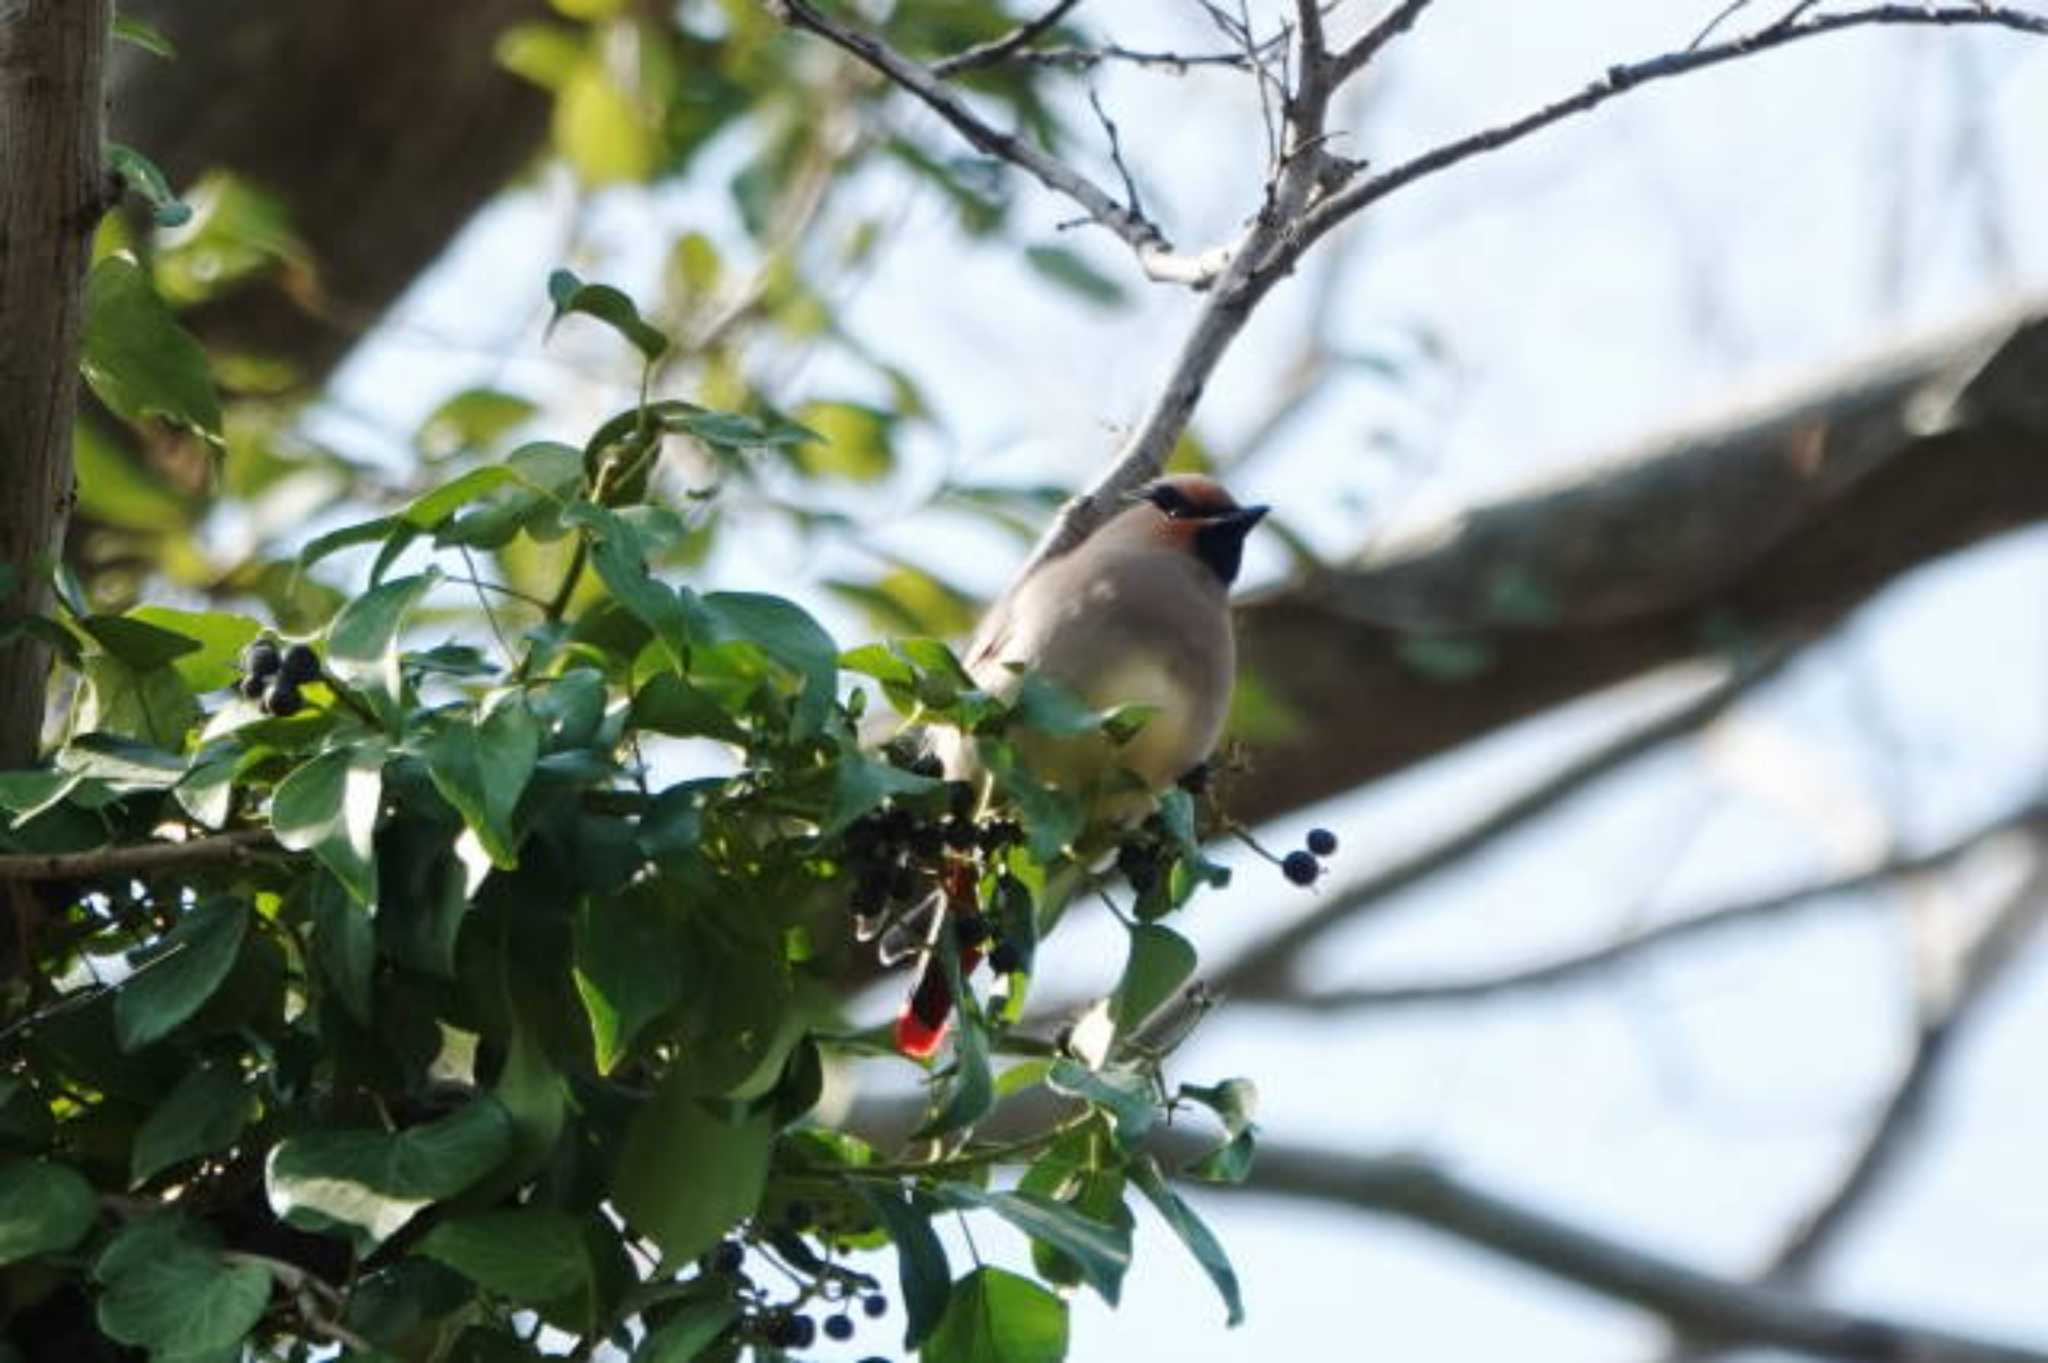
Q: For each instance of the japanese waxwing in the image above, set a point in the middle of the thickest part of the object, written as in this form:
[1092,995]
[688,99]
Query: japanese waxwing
[1138,613]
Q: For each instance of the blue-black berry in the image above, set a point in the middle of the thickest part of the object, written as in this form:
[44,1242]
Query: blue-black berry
[299,665]
[1006,959]
[1300,867]
[972,929]
[1322,841]
[839,1327]
[726,1257]
[874,1306]
[283,699]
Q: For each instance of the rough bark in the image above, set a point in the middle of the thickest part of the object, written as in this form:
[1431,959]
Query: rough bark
[383,125]
[52,190]
[1764,529]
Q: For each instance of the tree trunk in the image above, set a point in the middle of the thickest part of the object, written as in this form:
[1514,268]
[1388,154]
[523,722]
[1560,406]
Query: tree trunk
[52,191]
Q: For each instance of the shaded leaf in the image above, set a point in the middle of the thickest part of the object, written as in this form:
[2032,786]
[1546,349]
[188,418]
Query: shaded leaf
[44,1208]
[367,1184]
[168,1290]
[687,1175]
[1102,1252]
[328,806]
[1159,963]
[531,1255]
[180,973]
[204,1113]
[1201,1242]
[608,305]
[926,1278]
[137,358]
[995,1316]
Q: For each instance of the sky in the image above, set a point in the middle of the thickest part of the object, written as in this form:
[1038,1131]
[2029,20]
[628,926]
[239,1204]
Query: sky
[1693,247]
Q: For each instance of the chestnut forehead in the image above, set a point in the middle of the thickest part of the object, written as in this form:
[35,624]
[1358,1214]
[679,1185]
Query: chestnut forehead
[1204,494]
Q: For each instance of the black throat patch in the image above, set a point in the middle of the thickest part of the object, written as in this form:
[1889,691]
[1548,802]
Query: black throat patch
[1220,545]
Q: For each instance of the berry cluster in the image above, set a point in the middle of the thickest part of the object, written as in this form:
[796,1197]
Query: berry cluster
[787,1324]
[1304,865]
[896,855]
[273,676]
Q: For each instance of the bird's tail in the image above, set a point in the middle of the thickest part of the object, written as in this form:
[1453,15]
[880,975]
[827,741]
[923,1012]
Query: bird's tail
[922,1022]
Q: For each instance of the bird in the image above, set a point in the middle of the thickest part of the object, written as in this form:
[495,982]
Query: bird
[1137,613]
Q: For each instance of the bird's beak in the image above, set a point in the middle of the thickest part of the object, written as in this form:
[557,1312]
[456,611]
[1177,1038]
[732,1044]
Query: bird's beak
[1245,517]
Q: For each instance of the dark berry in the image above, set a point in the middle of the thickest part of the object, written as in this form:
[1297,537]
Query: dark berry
[972,929]
[1139,864]
[903,882]
[960,798]
[928,764]
[802,1332]
[867,898]
[839,1327]
[1001,833]
[1300,867]
[260,659]
[926,841]
[875,1306]
[254,686]
[283,700]
[726,1257]
[897,824]
[1006,959]
[1322,841]
[299,665]
[961,835]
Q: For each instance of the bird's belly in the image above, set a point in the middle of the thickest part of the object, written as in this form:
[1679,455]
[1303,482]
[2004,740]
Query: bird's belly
[1175,738]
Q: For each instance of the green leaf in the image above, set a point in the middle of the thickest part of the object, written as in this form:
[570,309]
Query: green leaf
[667,704]
[204,1113]
[483,769]
[1160,962]
[1201,1242]
[532,1256]
[168,1290]
[921,1265]
[853,440]
[1102,1252]
[785,632]
[685,1334]
[181,973]
[44,1208]
[1052,819]
[137,643]
[329,807]
[1045,705]
[428,510]
[367,1184]
[1075,275]
[609,306]
[137,358]
[145,35]
[1126,1097]
[687,1175]
[121,762]
[362,641]
[1177,812]
[632,954]
[344,944]
[220,635]
[473,419]
[1230,1162]
[147,183]
[602,131]
[621,561]
[860,783]
[995,1316]
[347,537]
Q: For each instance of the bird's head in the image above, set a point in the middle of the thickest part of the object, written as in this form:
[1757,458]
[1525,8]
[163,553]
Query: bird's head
[1196,516]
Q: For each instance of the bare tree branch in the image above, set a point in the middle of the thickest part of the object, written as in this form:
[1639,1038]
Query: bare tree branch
[1694,1303]
[1586,965]
[1155,254]
[1893,1134]
[144,858]
[1265,971]
[998,50]
[1390,26]
[1624,77]
[1084,58]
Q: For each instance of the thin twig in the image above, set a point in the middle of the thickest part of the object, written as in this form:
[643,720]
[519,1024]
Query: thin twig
[1116,151]
[1155,253]
[1084,58]
[1266,970]
[1729,11]
[225,849]
[1590,964]
[1892,1134]
[1392,25]
[1000,49]
[1624,77]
